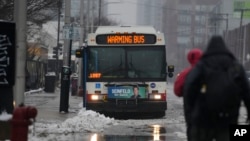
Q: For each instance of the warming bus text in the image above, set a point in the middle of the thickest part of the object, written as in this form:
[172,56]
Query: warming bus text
[126,39]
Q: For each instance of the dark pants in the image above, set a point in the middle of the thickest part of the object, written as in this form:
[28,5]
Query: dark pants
[198,133]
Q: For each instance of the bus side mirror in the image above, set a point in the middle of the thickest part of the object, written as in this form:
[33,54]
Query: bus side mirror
[170,71]
[79,53]
[171,68]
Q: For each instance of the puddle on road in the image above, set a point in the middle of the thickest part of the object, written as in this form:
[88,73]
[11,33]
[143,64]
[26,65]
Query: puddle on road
[120,133]
[96,137]
[148,133]
[101,137]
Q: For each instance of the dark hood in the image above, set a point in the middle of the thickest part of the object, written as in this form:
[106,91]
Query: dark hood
[217,46]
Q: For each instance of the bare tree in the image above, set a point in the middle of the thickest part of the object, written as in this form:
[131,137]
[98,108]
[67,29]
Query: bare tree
[38,11]
[6,9]
[104,21]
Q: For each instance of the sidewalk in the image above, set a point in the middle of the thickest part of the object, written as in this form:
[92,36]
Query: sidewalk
[48,105]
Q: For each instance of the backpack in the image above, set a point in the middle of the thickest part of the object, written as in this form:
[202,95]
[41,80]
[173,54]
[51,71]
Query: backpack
[219,90]
[179,82]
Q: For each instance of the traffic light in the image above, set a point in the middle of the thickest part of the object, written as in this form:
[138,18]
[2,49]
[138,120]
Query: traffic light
[55,53]
[60,48]
[79,53]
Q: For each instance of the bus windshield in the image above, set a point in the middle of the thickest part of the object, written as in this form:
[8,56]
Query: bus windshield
[126,62]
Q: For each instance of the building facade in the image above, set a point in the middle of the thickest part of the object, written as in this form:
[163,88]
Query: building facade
[188,26]
[150,12]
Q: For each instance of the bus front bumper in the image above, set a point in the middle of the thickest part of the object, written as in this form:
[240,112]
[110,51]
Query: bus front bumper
[127,106]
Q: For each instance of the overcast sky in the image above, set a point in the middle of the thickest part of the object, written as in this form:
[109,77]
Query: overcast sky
[122,11]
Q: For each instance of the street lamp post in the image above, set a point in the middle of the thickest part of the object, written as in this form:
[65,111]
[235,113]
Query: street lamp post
[218,17]
[65,72]
[21,19]
[241,35]
[99,13]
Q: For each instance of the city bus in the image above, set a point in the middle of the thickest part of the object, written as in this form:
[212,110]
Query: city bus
[118,60]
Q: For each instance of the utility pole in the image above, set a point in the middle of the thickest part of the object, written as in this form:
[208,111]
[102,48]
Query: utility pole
[92,15]
[244,47]
[241,35]
[20,16]
[87,20]
[66,69]
[80,65]
[226,27]
[100,10]
[80,43]
[218,17]
[58,40]
[66,51]
[193,3]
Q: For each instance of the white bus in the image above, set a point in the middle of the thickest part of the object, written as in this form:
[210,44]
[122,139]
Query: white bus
[119,59]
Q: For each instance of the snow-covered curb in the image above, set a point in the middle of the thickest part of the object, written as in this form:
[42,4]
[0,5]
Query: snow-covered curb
[33,91]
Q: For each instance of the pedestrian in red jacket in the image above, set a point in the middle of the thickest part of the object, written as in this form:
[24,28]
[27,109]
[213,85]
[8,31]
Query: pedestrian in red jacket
[193,57]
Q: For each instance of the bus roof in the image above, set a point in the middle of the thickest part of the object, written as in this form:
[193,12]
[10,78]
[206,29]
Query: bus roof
[127,29]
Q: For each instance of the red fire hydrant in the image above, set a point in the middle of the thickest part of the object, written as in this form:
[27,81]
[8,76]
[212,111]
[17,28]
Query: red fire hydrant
[21,121]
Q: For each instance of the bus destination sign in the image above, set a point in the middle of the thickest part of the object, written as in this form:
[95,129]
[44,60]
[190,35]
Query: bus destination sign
[126,39]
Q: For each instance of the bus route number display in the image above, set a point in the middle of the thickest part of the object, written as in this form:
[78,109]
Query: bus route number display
[126,39]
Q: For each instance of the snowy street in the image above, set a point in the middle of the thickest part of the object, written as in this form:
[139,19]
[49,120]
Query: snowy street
[120,70]
[85,125]
[82,125]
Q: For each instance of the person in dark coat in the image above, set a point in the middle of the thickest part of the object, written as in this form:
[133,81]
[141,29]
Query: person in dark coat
[193,57]
[199,126]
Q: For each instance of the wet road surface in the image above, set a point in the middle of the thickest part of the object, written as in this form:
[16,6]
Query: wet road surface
[169,128]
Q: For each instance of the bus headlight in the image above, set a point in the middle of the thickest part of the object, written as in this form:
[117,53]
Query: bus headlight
[155,96]
[94,97]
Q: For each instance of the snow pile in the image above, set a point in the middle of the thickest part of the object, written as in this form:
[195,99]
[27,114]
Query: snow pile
[34,91]
[85,121]
[5,116]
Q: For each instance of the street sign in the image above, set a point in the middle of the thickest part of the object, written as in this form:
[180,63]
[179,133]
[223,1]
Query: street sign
[66,70]
[243,4]
[71,32]
[66,32]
